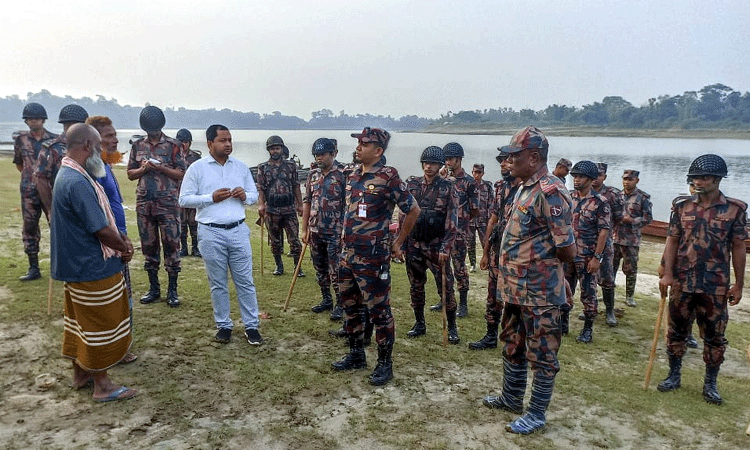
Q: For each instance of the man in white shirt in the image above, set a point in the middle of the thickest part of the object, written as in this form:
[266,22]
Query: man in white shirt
[219,186]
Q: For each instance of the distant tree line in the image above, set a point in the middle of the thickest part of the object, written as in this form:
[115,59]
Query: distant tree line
[714,106]
[126,116]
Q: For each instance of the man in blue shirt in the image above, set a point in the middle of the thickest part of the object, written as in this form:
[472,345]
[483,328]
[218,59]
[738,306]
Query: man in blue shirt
[218,187]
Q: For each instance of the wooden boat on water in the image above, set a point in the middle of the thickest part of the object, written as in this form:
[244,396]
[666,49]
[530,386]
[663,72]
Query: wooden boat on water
[302,172]
[658,229]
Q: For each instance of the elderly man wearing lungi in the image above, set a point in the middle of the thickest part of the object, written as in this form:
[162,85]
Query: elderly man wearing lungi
[87,253]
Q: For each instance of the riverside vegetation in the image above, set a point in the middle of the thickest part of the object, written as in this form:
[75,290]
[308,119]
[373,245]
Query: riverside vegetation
[194,393]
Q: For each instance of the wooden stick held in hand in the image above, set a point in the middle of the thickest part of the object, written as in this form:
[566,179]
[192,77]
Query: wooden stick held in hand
[657,329]
[296,273]
[445,312]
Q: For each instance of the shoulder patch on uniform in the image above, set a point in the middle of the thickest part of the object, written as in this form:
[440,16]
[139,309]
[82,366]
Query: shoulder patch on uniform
[173,141]
[737,202]
[548,185]
[681,199]
[555,210]
[50,142]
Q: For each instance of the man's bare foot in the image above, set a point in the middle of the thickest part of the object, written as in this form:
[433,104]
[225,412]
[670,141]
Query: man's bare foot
[105,390]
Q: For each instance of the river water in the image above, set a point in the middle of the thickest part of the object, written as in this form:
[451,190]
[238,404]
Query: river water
[663,162]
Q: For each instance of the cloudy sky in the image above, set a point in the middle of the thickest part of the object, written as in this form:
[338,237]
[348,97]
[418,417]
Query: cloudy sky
[382,57]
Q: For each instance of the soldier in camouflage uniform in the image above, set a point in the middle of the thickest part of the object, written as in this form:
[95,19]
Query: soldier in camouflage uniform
[187,215]
[280,200]
[26,148]
[51,155]
[157,162]
[606,270]
[636,214]
[430,243]
[505,191]
[707,232]
[322,221]
[478,225]
[373,190]
[562,169]
[591,226]
[538,238]
[468,208]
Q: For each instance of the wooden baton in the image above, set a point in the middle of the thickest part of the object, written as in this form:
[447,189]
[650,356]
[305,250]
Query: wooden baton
[296,273]
[657,329]
[445,312]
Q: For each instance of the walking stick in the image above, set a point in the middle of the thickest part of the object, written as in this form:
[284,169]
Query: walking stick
[445,313]
[260,223]
[747,432]
[296,271]
[49,297]
[657,329]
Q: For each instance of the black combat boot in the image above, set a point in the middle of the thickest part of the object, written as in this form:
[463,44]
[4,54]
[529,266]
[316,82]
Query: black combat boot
[608,296]
[630,290]
[300,274]
[488,341]
[437,306]
[535,418]
[690,341]
[672,381]
[514,388]
[338,311]
[452,329]
[383,372]
[172,299]
[340,333]
[586,335]
[183,244]
[710,394]
[154,291]
[326,303]
[419,327]
[355,359]
[564,320]
[463,307]
[472,261]
[33,273]
[196,252]
[279,265]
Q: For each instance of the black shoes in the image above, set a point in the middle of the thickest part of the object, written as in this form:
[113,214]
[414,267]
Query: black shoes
[253,336]
[223,336]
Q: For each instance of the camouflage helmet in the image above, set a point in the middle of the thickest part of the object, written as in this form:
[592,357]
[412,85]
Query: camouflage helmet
[34,111]
[184,135]
[453,149]
[432,154]
[274,140]
[585,168]
[708,165]
[323,145]
[72,114]
[152,119]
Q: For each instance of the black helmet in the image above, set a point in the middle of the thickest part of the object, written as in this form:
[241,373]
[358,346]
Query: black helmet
[274,140]
[152,119]
[585,168]
[34,111]
[433,154]
[184,135]
[708,165]
[453,149]
[323,145]
[72,114]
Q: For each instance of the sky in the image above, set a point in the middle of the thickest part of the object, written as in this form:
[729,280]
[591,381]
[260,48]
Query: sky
[380,57]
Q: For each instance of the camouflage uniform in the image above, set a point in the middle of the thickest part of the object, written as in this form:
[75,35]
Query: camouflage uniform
[156,204]
[26,152]
[505,191]
[278,183]
[468,202]
[531,277]
[591,214]
[48,164]
[627,236]
[427,241]
[326,194]
[364,270]
[702,272]
[187,215]
[613,196]
[478,225]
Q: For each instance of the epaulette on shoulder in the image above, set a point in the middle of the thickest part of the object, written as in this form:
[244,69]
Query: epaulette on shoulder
[411,178]
[173,141]
[681,199]
[549,185]
[390,171]
[52,141]
[18,134]
[645,194]
[737,202]
[136,138]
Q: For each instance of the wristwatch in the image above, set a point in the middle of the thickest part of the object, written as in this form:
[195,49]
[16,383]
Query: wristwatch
[599,257]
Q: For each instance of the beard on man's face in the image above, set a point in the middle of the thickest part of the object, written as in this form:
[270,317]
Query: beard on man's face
[111,158]
[95,166]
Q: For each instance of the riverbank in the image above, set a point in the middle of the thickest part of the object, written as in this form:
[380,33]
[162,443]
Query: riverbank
[591,132]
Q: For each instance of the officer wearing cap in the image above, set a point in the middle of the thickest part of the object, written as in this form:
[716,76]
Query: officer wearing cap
[280,201]
[706,234]
[636,214]
[606,277]
[478,225]
[431,240]
[187,215]
[372,192]
[562,169]
[468,208]
[157,162]
[537,240]
[505,191]
[322,221]
[53,150]
[26,148]
[592,224]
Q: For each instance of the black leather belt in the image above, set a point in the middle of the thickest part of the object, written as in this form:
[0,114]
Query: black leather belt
[225,226]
